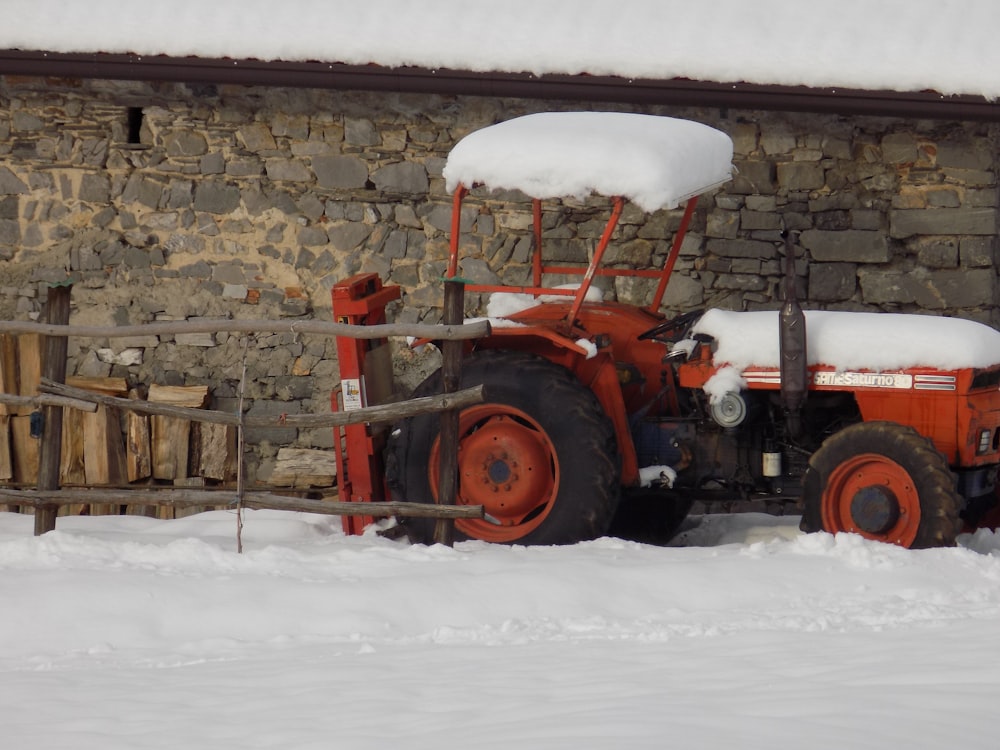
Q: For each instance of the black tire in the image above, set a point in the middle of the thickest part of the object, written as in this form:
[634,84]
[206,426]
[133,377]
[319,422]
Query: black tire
[650,516]
[884,481]
[554,479]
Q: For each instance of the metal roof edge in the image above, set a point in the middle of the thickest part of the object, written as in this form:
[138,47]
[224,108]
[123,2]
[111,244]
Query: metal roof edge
[323,75]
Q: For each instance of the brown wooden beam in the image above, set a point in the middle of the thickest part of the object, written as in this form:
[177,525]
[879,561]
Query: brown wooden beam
[642,91]
[188,498]
[369,415]
[54,350]
[461,331]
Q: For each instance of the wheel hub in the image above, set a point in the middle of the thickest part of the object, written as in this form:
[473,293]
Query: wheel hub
[875,509]
[505,465]
[872,495]
[499,471]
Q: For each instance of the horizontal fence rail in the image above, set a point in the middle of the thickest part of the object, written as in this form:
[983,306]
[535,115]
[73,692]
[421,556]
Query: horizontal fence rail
[377,414]
[465,331]
[54,395]
[192,498]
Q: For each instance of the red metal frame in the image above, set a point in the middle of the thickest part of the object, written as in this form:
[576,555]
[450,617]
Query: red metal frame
[592,270]
[358,300]
[675,250]
[536,257]
[456,227]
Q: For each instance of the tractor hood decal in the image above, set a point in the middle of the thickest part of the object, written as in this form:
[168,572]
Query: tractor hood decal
[861,379]
[865,379]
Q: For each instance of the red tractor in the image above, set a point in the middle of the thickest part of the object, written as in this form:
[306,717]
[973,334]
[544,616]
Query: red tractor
[599,413]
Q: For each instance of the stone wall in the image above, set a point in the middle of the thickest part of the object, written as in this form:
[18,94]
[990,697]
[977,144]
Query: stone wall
[164,202]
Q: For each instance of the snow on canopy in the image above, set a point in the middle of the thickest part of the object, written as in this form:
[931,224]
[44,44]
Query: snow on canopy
[657,162]
[851,341]
[848,43]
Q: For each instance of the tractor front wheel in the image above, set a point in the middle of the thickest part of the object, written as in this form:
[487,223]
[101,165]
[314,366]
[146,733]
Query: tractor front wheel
[539,455]
[884,481]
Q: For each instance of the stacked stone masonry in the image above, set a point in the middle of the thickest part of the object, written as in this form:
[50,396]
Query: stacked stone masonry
[170,202]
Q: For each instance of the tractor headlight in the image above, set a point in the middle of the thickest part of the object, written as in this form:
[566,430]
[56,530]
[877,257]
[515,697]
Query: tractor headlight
[984,441]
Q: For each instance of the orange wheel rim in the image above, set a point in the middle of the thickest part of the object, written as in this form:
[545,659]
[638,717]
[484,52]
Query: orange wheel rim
[873,496]
[507,464]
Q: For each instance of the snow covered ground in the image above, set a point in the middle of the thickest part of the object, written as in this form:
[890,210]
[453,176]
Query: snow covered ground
[129,632]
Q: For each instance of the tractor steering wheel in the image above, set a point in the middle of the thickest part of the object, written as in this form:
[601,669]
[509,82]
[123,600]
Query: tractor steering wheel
[677,327]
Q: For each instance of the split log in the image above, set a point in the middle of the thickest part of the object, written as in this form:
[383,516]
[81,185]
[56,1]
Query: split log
[84,455]
[170,440]
[214,451]
[190,396]
[170,436]
[71,470]
[104,452]
[304,467]
[25,450]
[103,447]
[8,372]
[29,366]
[6,466]
[107,386]
[138,457]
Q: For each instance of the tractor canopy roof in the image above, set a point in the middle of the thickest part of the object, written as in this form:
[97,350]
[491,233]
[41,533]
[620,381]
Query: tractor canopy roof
[855,340]
[656,162]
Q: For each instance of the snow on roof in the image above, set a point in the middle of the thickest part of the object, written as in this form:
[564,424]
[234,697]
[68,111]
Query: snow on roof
[855,341]
[657,162]
[824,43]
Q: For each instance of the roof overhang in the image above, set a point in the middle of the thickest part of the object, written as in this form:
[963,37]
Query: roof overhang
[321,75]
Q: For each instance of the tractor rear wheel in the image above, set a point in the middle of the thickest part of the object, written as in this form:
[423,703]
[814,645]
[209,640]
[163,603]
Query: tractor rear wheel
[884,481]
[539,455]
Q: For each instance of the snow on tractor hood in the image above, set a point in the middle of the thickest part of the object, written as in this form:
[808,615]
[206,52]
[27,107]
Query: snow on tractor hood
[850,340]
[656,162]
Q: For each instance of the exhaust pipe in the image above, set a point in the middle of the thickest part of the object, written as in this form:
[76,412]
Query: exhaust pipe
[792,343]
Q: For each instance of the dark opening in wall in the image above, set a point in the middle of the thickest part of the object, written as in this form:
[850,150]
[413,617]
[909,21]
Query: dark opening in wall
[134,124]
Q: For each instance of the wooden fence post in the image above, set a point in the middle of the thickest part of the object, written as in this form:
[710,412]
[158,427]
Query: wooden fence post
[54,368]
[451,376]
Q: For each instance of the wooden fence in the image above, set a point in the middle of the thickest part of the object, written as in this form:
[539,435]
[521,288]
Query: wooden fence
[61,402]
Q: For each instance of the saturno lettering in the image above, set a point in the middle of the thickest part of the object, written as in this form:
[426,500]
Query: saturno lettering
[864,379]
